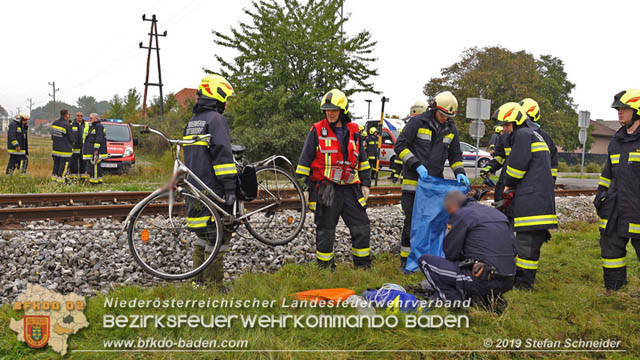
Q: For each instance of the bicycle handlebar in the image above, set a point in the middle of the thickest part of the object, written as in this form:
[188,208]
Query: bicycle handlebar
[146,129]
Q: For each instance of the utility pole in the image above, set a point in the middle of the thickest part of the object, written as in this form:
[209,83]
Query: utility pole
[30,100]
[153,34]
[53,85]
[18,107]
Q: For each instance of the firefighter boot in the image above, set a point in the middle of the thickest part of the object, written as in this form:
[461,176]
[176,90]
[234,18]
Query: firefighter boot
[615,278]
[360,249]
[324,247]
[524,279]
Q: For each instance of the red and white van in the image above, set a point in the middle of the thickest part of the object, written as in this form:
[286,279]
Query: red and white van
[120,143]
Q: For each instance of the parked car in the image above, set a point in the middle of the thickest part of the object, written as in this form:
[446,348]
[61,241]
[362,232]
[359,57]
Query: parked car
[120,143]
[469,157]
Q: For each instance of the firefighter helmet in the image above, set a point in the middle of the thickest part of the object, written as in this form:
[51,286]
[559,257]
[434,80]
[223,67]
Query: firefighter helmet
[499,129]
[22,115]
[335,100]
[510,112]
[372,131]
[532,108]
[215,87]
[360,127]
[418,108]
[628,99]
[446,103]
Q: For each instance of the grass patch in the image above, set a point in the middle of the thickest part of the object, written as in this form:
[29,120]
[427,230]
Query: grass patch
[568,302]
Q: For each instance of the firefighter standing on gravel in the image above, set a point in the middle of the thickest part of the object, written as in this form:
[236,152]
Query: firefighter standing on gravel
[62,137]
[334,162]
[94,149]
[528,174]
[371,146]
[212,161]
[18,144]
[80,130]
[618,198]
[426,142]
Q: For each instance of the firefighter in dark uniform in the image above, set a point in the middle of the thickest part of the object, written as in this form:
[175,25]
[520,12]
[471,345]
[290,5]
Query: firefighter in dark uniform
[335,165]
[372,149]
[532,109]
[18,144]
[618,198]
[80,130]
[212,161]
[62,137]
[94,149]
[426,142]
[528,174]
[494,139]
[418,108]
[500,154]
[479,251]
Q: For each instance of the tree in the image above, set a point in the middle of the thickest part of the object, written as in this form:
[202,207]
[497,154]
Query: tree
[117,110]
[290,55]
[87,104]
[501,75]
[131,102]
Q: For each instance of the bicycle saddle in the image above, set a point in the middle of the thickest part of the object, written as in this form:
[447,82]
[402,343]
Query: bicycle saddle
[238,149]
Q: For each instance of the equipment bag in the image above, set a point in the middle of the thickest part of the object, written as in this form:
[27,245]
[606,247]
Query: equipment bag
[429,223]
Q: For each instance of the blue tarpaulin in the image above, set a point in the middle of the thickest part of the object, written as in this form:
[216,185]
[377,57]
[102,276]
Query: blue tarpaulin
[429,224]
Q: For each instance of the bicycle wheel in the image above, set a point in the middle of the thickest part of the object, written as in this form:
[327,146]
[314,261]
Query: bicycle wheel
[280,207]
[168,251]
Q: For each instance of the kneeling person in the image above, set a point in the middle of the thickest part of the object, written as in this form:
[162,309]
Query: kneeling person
[479,252]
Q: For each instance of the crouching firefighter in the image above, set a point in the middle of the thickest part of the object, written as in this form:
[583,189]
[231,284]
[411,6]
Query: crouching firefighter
[18,144]
[528,175]
[212,161]
[618,197]
[336,168]
[479,251]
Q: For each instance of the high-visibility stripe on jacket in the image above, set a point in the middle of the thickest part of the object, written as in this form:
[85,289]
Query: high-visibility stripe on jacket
[96,140]
[424,141]
[618,195]
[528,171]
[80,132]
[17,137]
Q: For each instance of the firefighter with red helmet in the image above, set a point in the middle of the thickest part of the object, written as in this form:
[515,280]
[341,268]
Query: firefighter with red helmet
[618,198]
[336,168]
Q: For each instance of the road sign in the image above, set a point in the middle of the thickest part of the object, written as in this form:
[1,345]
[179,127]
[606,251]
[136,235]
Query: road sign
[478,108]
[582,136]
[584,117]
[477,129]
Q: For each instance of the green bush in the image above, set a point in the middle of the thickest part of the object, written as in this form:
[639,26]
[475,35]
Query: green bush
[593,167]
[563,167]
[575,168]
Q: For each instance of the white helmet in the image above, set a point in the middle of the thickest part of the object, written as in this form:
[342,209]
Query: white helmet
[418,108]
[23,115]
[446,103]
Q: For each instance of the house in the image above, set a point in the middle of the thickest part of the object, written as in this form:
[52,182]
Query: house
[602,131]
[186,95]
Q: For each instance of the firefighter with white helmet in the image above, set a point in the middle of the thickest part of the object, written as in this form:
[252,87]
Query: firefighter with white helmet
[18,144]
[426,142]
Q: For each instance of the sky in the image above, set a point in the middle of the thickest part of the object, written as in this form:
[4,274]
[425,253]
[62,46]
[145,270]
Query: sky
[91,47]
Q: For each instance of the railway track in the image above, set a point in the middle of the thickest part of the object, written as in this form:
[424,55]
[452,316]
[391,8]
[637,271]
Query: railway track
[78,206]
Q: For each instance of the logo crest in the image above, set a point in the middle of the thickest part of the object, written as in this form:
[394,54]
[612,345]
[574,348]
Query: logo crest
[324,131]
[36,330]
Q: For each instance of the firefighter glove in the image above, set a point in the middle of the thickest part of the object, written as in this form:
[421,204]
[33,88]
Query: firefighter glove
[365,192]
[462,178]
[422,172]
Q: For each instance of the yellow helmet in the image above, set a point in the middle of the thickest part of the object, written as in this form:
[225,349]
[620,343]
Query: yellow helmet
[628,99]
[23,115]
[215,87]
[499,129]
[532,108]
[510,112]
[372,131]
[335,100]
[446,103]
[418,108]
[360,127]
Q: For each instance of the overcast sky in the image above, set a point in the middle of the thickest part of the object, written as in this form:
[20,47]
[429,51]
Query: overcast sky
[91,47]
